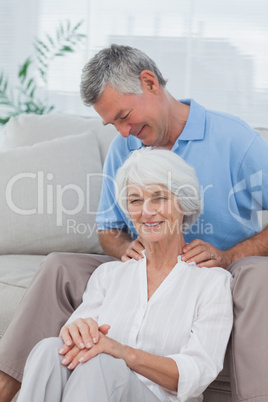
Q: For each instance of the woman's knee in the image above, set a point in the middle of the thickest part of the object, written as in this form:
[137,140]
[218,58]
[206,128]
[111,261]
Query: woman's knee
[108,362]
[108,367]
[48,347]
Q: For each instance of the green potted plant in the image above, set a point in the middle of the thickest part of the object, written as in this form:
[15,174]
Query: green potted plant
[23,98]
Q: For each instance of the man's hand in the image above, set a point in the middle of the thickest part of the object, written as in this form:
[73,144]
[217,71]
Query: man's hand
[134,250]
[82,333]
[206,255]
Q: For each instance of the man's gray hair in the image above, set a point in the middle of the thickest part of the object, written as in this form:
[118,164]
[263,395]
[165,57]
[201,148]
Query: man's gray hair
[160,166]
[119,67]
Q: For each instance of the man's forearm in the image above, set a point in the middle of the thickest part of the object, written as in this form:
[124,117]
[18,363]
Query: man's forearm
[256,245]
[114,242]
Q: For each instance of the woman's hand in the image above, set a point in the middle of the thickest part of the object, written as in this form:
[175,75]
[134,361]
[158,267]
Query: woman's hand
[104,345]
[206,255]
[83,333]
[134,250]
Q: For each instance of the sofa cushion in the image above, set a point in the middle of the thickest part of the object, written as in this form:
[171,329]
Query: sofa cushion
[49,194]
[30,129]
[16,273]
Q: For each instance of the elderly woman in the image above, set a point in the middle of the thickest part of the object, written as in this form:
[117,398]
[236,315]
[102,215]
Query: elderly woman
[168,321]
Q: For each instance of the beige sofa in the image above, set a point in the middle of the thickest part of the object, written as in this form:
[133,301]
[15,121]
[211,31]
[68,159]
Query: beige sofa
[50,181]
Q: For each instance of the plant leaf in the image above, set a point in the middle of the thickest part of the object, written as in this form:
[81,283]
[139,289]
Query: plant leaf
[4,120]
[66,48]
[31,94]
[78,25]
[30,82]
[49,38]
[43,46]
[23,69]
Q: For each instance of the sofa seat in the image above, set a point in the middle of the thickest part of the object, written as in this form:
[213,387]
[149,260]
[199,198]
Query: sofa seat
[16,273]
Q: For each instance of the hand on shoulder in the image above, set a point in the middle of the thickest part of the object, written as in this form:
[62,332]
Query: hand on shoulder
[206,255]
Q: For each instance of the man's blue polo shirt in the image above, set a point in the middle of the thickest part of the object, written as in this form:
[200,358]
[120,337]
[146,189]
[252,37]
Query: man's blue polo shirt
[231,163]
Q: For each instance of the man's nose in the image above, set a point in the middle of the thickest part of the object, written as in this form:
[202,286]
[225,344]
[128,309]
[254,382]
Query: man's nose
[123,129]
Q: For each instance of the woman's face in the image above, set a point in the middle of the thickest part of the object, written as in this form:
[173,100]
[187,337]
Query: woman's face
[155,212]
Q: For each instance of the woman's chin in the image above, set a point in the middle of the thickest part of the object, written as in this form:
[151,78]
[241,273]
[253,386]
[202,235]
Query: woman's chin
[152,237]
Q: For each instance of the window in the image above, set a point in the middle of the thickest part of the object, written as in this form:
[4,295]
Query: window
[213,51]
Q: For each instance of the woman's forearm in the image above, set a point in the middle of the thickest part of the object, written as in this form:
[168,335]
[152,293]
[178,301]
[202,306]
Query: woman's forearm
[161,370]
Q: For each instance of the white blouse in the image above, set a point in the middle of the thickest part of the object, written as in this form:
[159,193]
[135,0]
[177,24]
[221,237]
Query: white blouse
[188,318]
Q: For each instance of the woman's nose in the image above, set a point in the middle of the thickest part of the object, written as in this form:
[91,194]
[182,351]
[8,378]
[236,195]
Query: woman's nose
[148,209]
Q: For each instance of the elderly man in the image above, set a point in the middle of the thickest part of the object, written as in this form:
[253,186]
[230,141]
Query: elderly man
[127,90]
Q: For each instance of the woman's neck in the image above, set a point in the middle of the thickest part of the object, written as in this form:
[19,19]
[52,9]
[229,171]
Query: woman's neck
[163,254]
[161,258]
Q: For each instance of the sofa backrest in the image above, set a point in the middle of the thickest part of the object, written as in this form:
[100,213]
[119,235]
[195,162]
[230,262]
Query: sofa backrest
[50,183]
[30,129]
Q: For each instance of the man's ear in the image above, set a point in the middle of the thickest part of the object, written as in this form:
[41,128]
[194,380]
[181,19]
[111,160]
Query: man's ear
[149,81]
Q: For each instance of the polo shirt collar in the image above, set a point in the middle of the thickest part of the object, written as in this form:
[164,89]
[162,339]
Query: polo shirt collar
[134,143]
[194,128]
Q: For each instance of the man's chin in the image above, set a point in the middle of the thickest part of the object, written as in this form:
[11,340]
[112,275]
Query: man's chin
[149,142]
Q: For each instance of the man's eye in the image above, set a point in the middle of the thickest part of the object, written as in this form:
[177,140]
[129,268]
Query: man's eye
[124,117]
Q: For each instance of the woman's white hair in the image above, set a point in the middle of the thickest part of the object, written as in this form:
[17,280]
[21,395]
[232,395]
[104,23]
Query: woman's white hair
[159,166]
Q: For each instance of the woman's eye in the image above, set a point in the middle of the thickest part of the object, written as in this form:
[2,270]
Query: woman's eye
[135,201]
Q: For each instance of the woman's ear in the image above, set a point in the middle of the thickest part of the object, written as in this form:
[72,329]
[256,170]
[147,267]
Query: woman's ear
[149,81]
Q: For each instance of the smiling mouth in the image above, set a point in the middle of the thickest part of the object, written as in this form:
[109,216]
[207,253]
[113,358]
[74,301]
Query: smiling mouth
[152,225]
[137,134]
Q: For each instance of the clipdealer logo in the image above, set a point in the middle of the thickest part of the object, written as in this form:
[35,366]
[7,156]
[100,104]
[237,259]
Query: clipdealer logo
[51,198]
[254,187]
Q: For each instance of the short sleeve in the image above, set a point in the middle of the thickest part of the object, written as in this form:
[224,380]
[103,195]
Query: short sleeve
[253,176]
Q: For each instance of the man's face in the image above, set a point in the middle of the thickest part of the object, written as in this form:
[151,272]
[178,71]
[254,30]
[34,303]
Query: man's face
[139,115]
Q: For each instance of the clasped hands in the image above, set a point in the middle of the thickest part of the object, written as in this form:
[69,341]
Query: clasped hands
[198,251]
[83,339]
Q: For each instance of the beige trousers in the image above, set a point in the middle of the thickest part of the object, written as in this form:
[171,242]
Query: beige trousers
[248,347]
[57,290]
